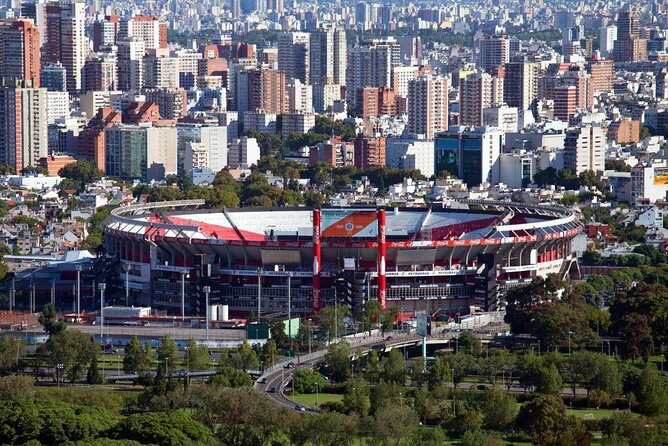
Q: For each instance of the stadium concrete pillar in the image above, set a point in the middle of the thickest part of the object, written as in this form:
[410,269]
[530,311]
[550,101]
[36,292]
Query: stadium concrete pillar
[382,249]
[317,303]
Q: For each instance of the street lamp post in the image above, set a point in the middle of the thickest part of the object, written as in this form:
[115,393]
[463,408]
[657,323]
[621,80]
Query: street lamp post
[78,268]
[259,293]
[127,267]
[183,294]
[454,394]
[101,286]
[569,343]
[309,336]
[289,310]
[59,367]
[207,290]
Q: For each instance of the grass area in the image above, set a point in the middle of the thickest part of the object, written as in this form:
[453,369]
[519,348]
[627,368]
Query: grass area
[309,399]
[589,413]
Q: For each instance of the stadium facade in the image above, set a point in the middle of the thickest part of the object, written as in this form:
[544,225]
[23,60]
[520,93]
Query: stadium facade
[421,259]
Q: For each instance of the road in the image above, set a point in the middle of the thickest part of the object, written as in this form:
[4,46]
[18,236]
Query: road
[280,375]
[177,333]
[275,379]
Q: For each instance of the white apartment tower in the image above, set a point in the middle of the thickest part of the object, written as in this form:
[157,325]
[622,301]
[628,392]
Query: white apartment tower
[329,56]
[294,55]
[584,149]
[131,64]
[66,40]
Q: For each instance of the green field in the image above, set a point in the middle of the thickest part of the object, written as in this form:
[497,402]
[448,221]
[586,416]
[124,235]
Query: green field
[589,413]
[309,399]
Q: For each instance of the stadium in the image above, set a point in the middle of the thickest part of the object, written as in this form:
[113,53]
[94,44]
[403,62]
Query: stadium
[438,259]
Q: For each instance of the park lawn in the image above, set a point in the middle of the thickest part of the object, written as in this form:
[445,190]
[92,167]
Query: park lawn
[309,399]
[591,413]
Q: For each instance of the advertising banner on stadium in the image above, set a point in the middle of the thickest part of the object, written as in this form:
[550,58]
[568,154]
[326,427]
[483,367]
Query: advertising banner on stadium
[346,223]
[660,175]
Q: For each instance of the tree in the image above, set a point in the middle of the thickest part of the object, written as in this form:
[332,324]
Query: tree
[371,313]
[394,368]
[594,372]
[308,381]
[540,373]
[389,319]
[277,330]
[544,418]
[231,377]
[81,173]
[330,320]
[168,358]
[469,343]
[337,361]
[356,399]
[197,358]
[226,181]
[371,369]
[94,376]
[499,410]
[439,373]
[393,423]
[171,428]
[11,350]
[49,320]
[479,438]
[246,357]
[215,197]
[136,359]
[269,353]
[71,348]
[652,395]
[423,404]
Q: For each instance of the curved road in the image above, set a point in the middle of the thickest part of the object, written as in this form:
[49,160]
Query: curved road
[275,379]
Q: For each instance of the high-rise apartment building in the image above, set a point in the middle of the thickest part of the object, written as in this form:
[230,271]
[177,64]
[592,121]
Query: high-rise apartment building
[520,86]
[477,92]
[428,105]
[53,77]
[147,28]
[160,69]
[369,151]
[105,31]
[213,137]
[130,64]
[294,55]
[329,55]
[565,102]
[142,153]
[262,90]
[601,71]
[629,47]
[91,142]
[370,65]
[244,152]
[584,149]
[172,102]
[607,37]
[66,40]
[100,72]
[494,51]
[20,51]
[23,124]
